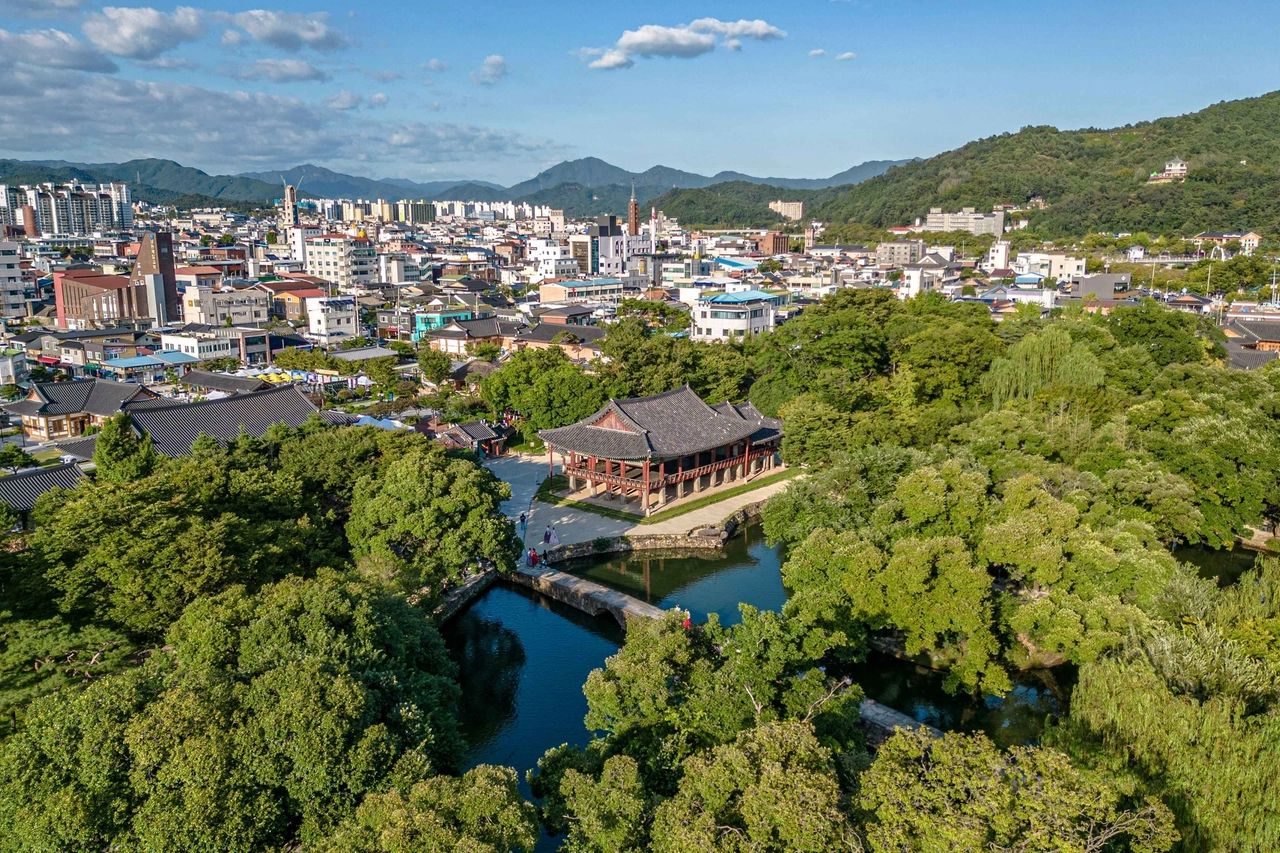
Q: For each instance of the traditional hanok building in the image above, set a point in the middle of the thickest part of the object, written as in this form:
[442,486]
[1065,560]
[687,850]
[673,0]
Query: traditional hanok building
[53,410]
[664,447]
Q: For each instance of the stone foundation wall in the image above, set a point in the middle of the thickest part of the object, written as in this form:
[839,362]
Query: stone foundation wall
[701,539]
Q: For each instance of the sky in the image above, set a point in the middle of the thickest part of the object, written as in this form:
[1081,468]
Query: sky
[500,89]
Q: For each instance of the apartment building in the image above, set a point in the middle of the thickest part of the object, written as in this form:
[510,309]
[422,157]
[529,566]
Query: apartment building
[793,210]
[13,303]
[591,290]
[332,319]
[350,262]
[774,243]
[68,209]
[968,219]
[898,253]
[220,304]
[198,345]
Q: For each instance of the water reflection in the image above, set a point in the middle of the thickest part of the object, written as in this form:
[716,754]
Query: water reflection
[1225,565]
[1015,719]
[703,582]
[522,661]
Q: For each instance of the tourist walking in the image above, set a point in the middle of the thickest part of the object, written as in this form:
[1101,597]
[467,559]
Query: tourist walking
[553,540]
[546,535]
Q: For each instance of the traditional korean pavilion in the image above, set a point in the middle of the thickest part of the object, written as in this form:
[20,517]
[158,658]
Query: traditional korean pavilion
[664,447]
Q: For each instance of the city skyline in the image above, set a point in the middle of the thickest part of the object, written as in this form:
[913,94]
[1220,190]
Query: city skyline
[803,90]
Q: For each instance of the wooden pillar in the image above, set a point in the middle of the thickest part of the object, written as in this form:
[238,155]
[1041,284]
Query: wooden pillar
[591,483]
[644,491]
[551,460]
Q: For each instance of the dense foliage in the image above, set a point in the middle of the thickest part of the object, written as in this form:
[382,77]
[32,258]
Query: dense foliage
[192,661]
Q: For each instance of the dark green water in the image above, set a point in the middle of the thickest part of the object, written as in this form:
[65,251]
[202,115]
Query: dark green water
[1225,565]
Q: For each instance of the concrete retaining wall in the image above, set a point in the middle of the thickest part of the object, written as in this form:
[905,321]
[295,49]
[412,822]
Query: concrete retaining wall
[701,539]
[459,597]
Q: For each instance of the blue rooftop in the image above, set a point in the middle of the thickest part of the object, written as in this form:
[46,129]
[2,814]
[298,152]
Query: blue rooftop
[740,298]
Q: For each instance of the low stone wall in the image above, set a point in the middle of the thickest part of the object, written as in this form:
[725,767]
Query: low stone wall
[458,598]
[879,722]
[588,596]
[700,539]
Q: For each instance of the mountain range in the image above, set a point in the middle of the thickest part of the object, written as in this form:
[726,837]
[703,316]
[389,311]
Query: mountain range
[586,186]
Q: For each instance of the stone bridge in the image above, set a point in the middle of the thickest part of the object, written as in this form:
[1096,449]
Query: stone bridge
[582,594]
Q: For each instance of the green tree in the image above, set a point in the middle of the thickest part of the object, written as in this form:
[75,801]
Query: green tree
[773,789]
[121,454]
[435,365]
[481,811]
[961,793]
[429,517]
[485,350]
[14,457]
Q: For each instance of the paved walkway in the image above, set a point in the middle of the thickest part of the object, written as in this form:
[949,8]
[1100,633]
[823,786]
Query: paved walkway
[574,525]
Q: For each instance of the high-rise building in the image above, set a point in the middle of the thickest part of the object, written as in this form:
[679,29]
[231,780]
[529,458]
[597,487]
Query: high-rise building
[12,301]
[793,210]
[968,219]
[69,209]
[289,214]
[633,213]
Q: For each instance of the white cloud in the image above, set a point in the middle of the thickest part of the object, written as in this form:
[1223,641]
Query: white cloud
[168,63]
[39,8]
[435,65]
[50,113]
[343,100]
[681,42]
[50,49]
[846,56]
[819,52]
[757,29]
[655,40]
[492,70]
[143,33]
[378,100]
[287,30]
[278,71]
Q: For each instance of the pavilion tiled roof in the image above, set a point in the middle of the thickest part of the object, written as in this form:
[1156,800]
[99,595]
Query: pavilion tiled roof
[21,491]
[97,396]
[661,426]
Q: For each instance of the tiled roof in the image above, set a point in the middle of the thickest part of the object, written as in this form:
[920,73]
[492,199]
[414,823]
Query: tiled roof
[81,447]
[96,396]
[223,382]
[20,491]
[488,327]
[675,423]
[475,431]
[546,332]
[174,428]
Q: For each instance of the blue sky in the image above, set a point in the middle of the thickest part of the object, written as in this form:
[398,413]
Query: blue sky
[498,90]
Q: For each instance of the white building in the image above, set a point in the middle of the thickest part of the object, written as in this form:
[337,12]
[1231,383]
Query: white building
[552,260]
[968,219]
[331,319]
[398,268]
[997,257]
[733,315]
[1054,266]
[298,237]
[350,262]
[13,367]
[13,304]
[793,210]
[202,347]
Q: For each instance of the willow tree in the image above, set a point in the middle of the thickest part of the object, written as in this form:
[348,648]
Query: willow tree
[1041,362]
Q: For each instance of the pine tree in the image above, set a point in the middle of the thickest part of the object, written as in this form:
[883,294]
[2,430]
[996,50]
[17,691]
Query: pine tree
[121,454]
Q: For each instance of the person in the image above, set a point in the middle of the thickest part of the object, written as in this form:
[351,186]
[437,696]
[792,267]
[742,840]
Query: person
[688,620]
[546,535]
[554,540]
[533,558]
[522,521]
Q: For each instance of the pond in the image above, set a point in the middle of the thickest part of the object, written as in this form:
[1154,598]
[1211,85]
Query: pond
[1226,565]
[524,658]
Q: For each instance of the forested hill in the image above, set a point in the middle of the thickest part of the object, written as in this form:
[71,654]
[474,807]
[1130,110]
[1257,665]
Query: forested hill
[1096,180]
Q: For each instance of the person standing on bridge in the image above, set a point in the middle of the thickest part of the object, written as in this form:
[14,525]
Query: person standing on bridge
[546,535]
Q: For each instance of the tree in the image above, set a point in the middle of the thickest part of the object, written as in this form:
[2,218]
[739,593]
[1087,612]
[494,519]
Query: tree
[959,792]
[1168,336]
[206,240]
[14,457]
[485,350]
[435,365]
[430,517]
[260,726]
[402,348]
[272,237]
[482,811]
[11,392]
[544,386]
[121,454]
[773,789]
[227,240]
